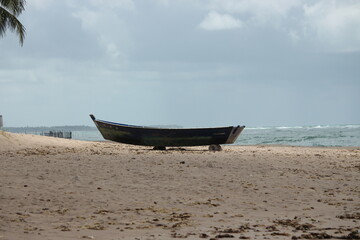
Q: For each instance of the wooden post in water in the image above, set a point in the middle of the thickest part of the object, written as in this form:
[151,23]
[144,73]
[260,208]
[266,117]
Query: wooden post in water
[1,121]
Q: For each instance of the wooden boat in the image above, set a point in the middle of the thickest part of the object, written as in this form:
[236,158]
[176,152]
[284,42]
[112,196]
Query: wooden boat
[167,137]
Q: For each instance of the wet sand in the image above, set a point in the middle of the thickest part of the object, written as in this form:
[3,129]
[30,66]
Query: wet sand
[66,189]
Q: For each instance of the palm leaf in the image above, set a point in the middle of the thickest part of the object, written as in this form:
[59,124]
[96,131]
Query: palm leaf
[13,6]
[8,20]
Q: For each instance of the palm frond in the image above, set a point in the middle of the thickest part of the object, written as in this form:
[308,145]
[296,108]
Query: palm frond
[8,20]
[13,6]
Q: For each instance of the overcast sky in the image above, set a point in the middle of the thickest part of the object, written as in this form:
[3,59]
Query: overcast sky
[187,62]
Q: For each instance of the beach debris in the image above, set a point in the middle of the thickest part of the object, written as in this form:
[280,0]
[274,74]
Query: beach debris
[209,202]
[19,219]
[61,211]
[294,223]
[279,234]
[179,216]
[88,237]
[350,216]
[63,228]
[95,226]
[179,235]
[272,228]
[226,235]
[232,230]
[324,235]
[30,229]
[180,219]
[102,211]
[203,235]
[240,229]
[353,235]
[314,235]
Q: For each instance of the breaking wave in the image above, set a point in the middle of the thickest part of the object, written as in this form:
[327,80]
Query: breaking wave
[315,135]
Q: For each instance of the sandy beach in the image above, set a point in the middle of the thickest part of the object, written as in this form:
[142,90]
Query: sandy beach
[54,188]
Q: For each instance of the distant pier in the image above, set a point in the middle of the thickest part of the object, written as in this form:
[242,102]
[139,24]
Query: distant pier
[58,134]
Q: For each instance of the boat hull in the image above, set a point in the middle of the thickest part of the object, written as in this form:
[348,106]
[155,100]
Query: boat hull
[146,136]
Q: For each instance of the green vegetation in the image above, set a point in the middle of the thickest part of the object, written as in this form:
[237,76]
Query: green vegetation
[9,12]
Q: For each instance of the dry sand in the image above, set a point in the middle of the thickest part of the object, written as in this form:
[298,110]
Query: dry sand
[66,189]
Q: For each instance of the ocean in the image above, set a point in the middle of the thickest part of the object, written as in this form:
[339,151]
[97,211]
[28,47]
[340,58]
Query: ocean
[318,136]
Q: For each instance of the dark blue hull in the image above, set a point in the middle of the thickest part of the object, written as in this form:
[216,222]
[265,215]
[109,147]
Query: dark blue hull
[145,136]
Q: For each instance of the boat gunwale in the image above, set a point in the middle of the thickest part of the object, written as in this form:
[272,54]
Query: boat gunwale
[159,128]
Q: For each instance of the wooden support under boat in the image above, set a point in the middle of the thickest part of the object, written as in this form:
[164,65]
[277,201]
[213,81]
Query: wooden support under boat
[215,148]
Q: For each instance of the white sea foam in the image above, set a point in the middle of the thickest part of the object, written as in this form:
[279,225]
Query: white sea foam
[322,126]
[296,127]
[350,126]
[257,128]
[305,127]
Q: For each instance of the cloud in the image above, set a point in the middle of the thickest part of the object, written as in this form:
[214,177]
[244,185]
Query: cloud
[294,36]
[88,18]
[258,11]
[123,4]
[111,4]
[163,2]
[152,56]
[104,21]
[40,4]
[216,21]
[335,23]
